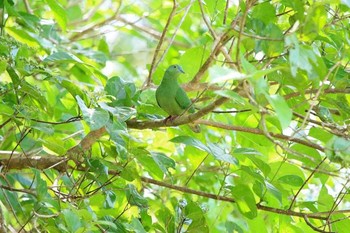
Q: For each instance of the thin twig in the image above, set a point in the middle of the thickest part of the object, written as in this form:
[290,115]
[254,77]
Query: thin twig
[305,182]
[161,40]
[175,33]
[260,132]
[95,26]
[318,93]
[239,37]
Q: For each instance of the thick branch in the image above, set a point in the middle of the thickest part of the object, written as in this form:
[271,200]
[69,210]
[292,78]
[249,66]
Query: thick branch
[75,153]
[40,162]
[185,119]
[49,161]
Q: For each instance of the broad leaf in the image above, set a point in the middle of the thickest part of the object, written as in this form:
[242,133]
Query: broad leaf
[134,197]
[245,200]
[96,118]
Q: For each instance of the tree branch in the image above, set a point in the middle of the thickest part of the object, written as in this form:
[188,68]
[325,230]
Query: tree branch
[155,56]
[184,119]
[49,161]
[260,132]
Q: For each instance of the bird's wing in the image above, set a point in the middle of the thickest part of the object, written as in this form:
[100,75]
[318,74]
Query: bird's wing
[157,99]
[182,99]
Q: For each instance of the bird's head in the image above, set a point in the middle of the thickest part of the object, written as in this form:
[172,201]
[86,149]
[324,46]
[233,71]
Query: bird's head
[175,70]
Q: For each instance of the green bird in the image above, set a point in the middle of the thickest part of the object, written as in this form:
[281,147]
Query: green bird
[172,98]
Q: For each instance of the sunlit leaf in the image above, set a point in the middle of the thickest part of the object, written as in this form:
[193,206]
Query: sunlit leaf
[22,36]
[265,12]
[62,57]
[283,112]
[219,74]
[291,180]
[191,142]
[245,200]
[59,13]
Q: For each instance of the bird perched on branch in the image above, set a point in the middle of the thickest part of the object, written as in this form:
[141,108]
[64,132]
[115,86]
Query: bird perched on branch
[172,98]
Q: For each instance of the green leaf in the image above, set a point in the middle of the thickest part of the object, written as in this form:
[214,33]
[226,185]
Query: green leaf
[10,198]
[324,114]
[274,191]
[122,93]
[253,173]
[258,74]
[149,164]
[191,142]
[95,118]
[110,199]
[118,133]
[22,36]
[283,112]
[212,149]
[35,94]
[245,200]
[273,47]
[221,155]
[325,200]
[128,173]
[121,113]
[194,212]
[264,167]
[190,65]
[62,57]
[41,185]
[264,12]
[98,167]
[6,110]
[59,13]
[285,169]
[71,87]
[316,19]
[246,151]
[134,198]
[72,220]
[166,218]
[53,145]
[338,150]
[3,65]
[291,180]
[163,161]
[232,95]
[247,66]
[136,226]
[103,46]
[304,58]
[219,74]
[112,226]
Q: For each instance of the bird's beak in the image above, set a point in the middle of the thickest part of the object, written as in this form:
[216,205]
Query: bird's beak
[181,70]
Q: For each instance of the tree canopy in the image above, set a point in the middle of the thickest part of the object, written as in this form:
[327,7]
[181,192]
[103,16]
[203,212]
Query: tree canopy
[84,147]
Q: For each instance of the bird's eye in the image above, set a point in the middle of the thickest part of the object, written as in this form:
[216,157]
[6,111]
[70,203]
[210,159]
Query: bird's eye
[174,66]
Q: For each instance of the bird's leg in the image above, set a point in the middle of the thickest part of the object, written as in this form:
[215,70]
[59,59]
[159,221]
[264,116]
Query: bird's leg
[170,118]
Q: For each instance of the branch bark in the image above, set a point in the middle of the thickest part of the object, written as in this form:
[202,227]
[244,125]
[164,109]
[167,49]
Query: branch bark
[59,163]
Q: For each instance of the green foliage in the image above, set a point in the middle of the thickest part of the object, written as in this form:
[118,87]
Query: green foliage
[84,146]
